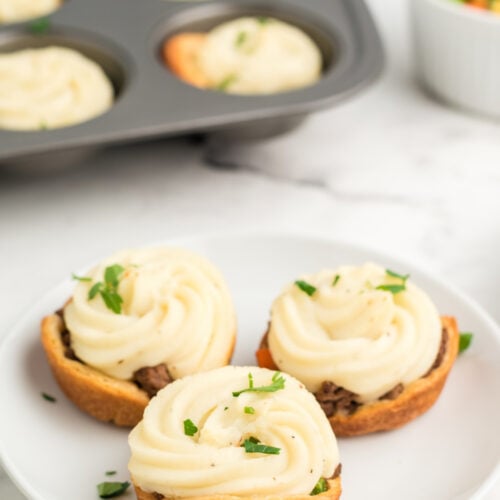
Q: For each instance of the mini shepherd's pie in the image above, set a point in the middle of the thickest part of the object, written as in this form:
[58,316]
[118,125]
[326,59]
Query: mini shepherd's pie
[51,87]
[366,341]
[135,322]
[234,432]
[248,55]
[13,11]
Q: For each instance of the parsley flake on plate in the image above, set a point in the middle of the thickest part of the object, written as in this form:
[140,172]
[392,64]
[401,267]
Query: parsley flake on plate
[464,341]
[112,489]
[48,397]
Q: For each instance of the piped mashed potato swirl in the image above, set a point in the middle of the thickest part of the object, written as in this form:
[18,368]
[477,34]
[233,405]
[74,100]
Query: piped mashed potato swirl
[176,310]
[252,55]
[364,339]
[212,462]
[12,11]
[51,87]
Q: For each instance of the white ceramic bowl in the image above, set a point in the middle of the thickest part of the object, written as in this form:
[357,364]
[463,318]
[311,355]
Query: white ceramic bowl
[458,54]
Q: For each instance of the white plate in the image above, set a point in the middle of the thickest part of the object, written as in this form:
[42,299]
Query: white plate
[55,452]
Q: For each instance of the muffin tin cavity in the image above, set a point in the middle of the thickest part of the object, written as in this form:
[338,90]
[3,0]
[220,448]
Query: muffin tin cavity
[51,82]
[248,37]
[108,58]
[204,18]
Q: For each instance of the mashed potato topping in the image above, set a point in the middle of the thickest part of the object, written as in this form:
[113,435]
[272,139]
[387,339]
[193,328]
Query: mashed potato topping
[12,11]
[176,310]
[354,331]
[259,56]
[207,457]
[49,88]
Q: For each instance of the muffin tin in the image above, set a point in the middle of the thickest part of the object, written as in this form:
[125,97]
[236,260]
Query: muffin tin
[125,38]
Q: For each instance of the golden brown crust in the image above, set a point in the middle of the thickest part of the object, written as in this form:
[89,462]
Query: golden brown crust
[180,53]
[416,398]
[333,493]
[105,398]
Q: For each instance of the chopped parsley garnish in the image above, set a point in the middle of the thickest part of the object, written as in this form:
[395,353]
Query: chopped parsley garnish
[109,289]
[81,278]
[189,428]
[96,288]
[262,20]
[226,83]
[403,277]
[40,26]
[464,341]
[277,383]
[249,410]
[111,490]
[306,287]
[394,288]
[110,473]
[241,38]
[336,279]
[253,445]
[226,408]
[48,397]
[112,275]
[321,486]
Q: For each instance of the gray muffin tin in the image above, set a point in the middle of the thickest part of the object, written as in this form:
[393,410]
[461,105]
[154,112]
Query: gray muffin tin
[125,38]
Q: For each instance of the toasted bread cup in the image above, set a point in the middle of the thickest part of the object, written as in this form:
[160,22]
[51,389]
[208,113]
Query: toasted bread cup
[387,414]
[219,454]
[332,493]
[138,320]
[105,398]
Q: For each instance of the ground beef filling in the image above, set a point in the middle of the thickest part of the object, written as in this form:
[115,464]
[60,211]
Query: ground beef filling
[65,338]
[335,399]
[152,378]
[337,472]
[393,393]
[442,350]
[149,378]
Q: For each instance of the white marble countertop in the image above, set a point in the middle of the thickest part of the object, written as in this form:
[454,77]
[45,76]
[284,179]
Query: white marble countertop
[391,169]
